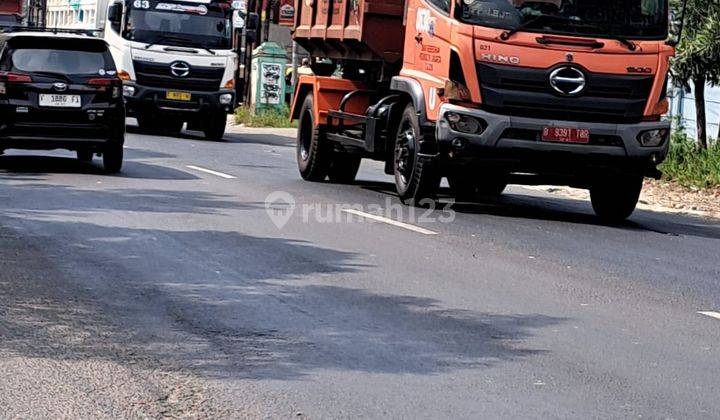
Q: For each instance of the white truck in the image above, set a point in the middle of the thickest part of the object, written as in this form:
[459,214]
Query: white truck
[176,59]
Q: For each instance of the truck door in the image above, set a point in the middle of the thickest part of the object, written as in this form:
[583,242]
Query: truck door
[430,33]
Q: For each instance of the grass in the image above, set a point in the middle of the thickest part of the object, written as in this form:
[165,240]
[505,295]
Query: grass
[265,118]
[690,166]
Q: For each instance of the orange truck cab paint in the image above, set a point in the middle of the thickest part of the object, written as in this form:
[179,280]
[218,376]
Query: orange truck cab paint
[486,93]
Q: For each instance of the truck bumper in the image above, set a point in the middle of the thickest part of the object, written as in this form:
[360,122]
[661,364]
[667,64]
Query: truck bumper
[521,136]
[153,99]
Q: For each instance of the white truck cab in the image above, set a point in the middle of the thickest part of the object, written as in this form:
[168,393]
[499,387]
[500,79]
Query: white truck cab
[177,62]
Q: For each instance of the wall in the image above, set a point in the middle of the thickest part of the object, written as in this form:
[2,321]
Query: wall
[73,14]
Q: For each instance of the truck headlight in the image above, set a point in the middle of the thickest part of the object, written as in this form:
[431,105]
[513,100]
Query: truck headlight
[226,98]
[653,138]
[464,123]
[129,90]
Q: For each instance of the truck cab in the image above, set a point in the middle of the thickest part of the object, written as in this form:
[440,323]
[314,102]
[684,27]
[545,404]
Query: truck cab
[491,92]
[177,62]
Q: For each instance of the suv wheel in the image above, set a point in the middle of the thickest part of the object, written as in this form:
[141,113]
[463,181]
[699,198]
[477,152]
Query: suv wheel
[113,158]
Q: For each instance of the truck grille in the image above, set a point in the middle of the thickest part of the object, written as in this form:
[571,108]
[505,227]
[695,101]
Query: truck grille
[525,92]
[155,75]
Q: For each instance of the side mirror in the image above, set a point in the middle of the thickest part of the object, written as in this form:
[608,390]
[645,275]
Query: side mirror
[115,13]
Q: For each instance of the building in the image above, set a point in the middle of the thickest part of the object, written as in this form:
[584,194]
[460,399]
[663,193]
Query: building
[73,14]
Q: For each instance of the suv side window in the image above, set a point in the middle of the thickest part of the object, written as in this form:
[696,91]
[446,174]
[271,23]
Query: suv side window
[443,5]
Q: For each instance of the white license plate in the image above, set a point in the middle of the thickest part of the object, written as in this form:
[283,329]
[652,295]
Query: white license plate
[60,101]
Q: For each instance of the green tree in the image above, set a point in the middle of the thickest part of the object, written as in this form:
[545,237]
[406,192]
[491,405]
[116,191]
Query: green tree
[697,61]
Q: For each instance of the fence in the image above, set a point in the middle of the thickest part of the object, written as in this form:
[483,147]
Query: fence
[682,109]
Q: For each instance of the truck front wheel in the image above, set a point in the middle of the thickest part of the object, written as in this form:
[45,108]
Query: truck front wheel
[416,177]
[215,127]
[614,199]
[314,154]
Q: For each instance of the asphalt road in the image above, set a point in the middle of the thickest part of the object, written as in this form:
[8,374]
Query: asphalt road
[170,291]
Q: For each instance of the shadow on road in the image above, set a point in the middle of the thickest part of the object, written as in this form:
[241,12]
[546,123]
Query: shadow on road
[35,198]
[530,207]
[30,164]
[226,304]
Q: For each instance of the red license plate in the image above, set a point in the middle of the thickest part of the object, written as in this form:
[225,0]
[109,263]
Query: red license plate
[566,135]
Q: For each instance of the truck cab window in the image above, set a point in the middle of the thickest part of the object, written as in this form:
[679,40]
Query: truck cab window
[443,5]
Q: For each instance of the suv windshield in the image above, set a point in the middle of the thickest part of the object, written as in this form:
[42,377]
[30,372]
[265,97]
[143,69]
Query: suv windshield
[66,56]
[196,25]
[617,18]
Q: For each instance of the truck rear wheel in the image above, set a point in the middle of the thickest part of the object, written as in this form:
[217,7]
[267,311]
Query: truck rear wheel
[614,199]
[314,154]
[344,168]
[215,127]
[416,177]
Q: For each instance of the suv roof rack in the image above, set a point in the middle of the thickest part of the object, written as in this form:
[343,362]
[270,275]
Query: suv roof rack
[10,29]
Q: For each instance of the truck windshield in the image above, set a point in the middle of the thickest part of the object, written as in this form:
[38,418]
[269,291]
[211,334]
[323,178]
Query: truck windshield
[179,24]
[639,19]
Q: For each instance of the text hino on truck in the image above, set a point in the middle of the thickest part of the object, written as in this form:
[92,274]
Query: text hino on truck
[486,93]
[177,62]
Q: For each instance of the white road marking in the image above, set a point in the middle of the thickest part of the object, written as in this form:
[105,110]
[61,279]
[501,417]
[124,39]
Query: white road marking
[210,171]
[381,219]
[711,314]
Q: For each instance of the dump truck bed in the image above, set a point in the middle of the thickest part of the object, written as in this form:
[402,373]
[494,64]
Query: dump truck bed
[351,29]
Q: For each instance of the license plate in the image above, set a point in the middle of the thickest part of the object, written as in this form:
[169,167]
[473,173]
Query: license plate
[178,96]
[566,135]
[60,101]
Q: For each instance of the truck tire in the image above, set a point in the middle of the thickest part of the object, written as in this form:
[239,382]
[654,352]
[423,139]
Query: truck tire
[314,154]
[615,198]
[113,158]
[172,126]
[416,177]
[85,155]
[215,127]
[344,168]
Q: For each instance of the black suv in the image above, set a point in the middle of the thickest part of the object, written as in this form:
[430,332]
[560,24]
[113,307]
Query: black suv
[61,91]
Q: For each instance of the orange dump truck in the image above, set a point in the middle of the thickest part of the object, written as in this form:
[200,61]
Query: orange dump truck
[486,93]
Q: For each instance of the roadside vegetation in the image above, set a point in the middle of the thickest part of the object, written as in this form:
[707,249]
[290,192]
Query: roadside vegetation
[265,118]
[692,166]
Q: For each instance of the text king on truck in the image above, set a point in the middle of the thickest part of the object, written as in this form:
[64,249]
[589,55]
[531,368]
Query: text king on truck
[486,93]
[177,62]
